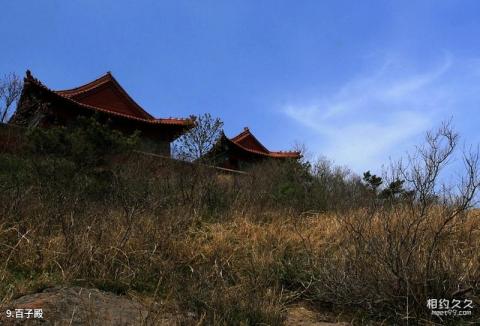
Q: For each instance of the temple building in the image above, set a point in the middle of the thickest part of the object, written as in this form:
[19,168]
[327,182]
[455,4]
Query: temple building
[40,106]
[239,152]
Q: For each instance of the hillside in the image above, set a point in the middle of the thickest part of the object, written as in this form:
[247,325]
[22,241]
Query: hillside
[80,209]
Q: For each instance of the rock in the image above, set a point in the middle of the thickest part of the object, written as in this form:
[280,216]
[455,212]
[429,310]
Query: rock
[80,306]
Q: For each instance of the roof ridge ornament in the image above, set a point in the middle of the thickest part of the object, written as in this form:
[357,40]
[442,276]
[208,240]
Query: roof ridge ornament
[29,78]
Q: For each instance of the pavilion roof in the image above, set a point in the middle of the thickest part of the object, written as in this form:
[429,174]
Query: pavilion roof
[247,142]
[106,95]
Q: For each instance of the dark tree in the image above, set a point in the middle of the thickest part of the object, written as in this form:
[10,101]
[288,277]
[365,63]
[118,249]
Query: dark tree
[372,181]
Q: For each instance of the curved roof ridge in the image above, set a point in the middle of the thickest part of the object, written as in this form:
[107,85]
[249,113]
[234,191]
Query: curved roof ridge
[241,135]
[87,86]
[103,80]
[247,133]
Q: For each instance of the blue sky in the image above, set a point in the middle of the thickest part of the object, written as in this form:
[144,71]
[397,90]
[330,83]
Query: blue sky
[356,81]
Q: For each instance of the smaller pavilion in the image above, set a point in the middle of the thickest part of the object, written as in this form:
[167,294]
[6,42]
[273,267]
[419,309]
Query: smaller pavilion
[239,152]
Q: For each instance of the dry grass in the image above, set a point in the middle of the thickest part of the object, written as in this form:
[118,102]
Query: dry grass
[241,269]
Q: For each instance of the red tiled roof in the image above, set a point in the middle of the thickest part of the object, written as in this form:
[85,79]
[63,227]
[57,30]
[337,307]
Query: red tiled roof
[105,94]
[248,142]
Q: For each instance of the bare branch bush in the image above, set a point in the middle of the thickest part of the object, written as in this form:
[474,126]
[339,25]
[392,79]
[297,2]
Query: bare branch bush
[195,143]
[10,89]
[401,250]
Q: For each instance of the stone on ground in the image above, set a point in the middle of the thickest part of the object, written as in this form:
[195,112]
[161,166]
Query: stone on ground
[80,306]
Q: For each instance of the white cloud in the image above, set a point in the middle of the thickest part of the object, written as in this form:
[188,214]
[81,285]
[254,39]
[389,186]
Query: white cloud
[373,117]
